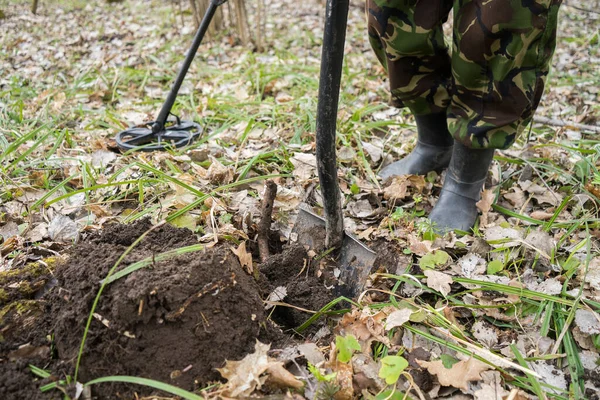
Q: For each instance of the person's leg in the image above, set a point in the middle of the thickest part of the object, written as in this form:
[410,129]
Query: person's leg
[501,54]
[407,38]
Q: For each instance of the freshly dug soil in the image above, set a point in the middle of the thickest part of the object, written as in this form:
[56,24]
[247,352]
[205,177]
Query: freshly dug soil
[188,313]
[292,270]
[174,321]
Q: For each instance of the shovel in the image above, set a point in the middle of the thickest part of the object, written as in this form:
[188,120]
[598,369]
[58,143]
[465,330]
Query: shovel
[355,259]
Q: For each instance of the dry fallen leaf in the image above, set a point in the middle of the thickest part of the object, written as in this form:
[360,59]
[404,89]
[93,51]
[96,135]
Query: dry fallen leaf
[398,189]
[588,322]
[438,281]
[485,333]
[250,373]
[541,215]
[279,376]
[417,246]
[551,375]
[244,256]
[516,198]
[459,375]
[9,230]
[491,387]
[312,353]
[305,165]
[471,265]
[276,295]
[541,241]
[343,378]
[218,173]
[366,326]
[63,229]
[503,237]
[485,205]
[397,318]
[374,149]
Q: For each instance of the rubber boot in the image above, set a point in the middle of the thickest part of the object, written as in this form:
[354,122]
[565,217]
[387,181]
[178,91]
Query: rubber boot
[465,178]
[432,152]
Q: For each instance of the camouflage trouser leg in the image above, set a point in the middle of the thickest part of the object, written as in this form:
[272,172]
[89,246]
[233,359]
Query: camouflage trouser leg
[409,42]
[493,82]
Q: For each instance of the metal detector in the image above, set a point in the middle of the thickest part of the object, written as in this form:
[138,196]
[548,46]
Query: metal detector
[164,132]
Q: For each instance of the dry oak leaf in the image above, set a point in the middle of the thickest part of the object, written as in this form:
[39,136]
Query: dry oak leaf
[399,185]
[516,198]
[459,375]
[365,326]
[250,373]
[438,281]
[244,256]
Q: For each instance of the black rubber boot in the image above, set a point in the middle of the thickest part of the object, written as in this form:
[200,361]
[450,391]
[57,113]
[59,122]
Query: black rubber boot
[432,152]
[465,178]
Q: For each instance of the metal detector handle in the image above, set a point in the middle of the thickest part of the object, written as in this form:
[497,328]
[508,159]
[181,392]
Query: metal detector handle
[161,120]
[332,58]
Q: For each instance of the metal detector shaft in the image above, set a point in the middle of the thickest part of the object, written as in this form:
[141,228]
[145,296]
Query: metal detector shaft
[332,58]
[161,120]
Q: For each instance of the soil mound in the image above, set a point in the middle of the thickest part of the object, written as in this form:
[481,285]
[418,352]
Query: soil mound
[174,321]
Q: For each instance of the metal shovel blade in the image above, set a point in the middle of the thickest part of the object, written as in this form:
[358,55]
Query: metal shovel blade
[355,261]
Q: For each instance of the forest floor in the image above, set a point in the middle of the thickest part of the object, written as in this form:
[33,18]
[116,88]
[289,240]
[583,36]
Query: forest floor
[124,275]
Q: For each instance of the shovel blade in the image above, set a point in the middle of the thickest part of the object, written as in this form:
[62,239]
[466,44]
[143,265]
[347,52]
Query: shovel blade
[356,259]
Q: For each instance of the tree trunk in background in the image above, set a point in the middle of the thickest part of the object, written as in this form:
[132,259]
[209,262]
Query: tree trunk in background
[199,7]
[260,7]
[235,16]
[241,19]
[34,6]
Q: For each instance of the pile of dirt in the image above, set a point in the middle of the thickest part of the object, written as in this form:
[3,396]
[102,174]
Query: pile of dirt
[186,314]
[174,321]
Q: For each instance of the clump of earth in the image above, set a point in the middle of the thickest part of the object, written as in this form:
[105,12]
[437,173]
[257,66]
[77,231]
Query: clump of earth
[174,321]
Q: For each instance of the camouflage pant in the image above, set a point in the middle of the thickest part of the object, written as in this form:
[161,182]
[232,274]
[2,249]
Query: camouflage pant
[492,82]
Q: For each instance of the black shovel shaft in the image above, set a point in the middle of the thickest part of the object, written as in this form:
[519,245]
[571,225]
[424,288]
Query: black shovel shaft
[159,125]
[332,58]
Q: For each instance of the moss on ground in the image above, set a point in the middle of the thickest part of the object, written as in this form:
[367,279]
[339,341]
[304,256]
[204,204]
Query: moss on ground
[18,316]
[23,283]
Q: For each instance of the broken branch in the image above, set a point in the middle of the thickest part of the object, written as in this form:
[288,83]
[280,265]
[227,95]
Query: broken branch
[565,124]
[264,226]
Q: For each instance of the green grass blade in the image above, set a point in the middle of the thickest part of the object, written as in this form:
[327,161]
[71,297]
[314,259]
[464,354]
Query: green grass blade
[42,373]
[95,187]
[165,387]
[535,385]
[561,207]
[324,311]
[151,260]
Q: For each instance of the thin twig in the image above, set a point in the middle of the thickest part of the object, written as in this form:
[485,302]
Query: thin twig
[264,226]
[566,124]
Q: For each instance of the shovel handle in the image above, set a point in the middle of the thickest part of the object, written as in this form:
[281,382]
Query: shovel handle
[332,58]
